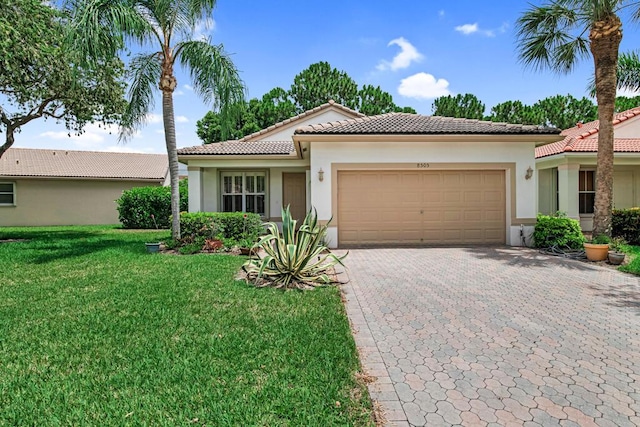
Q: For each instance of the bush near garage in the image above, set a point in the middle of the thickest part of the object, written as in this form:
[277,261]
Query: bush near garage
[626,224]
[229,227]
[557,231]
[149,207]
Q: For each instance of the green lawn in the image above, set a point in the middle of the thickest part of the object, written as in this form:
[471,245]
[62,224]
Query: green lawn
[95,331]
[634,266]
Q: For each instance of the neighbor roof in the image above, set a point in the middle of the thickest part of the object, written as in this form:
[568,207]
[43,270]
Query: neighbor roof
[415,124]
[83,164]
[230,148]
[584,138]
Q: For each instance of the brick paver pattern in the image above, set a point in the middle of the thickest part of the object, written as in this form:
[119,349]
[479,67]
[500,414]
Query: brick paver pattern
[496,336]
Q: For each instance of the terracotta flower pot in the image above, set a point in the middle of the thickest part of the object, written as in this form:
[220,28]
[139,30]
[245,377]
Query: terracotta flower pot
[596,252]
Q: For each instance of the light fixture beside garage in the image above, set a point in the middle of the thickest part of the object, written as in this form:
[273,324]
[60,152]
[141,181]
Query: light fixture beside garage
[320,175]
[529,173]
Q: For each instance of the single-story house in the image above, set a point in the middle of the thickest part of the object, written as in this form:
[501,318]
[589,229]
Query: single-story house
[566,169]
[390,179]
[64,187]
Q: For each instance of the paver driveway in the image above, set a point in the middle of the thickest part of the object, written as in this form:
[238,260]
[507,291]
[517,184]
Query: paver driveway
[496,336]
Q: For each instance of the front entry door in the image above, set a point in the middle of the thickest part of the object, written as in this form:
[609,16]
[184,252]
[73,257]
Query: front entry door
[294,193]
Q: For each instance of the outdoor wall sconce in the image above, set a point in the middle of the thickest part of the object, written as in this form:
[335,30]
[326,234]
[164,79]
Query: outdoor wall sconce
[320,175]
[529,173]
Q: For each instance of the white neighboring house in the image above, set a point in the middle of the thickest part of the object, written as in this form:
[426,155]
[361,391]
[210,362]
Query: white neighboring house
[65,187]
[391,179]
[566,169]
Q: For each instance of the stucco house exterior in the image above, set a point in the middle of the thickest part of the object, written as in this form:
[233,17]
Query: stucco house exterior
[65,187]
[391,179]
[566,169]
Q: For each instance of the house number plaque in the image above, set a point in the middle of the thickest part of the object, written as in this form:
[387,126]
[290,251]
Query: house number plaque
[423,165]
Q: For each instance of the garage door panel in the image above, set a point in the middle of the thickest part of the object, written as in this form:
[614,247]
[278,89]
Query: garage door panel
[414,207]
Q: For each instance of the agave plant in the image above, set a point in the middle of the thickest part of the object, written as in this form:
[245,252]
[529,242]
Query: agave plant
[294,257]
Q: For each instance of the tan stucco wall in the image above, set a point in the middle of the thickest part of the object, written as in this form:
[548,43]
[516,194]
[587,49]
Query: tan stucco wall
[64,202]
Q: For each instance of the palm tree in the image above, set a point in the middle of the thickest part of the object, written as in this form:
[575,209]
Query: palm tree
[166,25]
[629,71]
[554,36]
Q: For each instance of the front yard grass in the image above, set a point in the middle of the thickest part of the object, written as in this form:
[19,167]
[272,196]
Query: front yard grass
[95,331]
[634,265]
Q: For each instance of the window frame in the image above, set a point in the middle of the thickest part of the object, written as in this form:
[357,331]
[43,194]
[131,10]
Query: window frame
[244,173]
[13,193]
[580,192]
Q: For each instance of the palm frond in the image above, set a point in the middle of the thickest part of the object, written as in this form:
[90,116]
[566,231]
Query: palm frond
[546,36]
[629,71]
[144,76]
[100,27]
[214,76]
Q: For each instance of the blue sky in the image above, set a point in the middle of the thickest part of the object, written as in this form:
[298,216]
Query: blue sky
[415,50]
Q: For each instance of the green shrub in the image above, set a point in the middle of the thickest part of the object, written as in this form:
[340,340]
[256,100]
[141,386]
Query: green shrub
[293,257]
[626,224]
[136,206]
[557,231]
[230,226]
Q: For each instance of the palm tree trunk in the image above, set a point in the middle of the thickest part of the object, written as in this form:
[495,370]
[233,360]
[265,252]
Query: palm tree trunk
[605,37]
[170,140]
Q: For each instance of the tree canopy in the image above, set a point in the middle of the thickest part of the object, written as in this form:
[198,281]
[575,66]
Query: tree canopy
[42,76]
[561,111]
[312,87]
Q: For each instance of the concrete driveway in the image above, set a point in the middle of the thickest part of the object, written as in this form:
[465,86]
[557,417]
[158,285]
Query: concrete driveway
[496,336]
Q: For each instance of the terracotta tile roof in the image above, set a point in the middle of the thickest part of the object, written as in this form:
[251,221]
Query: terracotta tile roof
[584,138]
[300,116]
[229,148]
[83,164]
[415,124]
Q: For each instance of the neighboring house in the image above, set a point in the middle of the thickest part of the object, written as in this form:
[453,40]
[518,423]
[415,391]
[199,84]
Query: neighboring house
[64,187]
[390,179]
[566,169]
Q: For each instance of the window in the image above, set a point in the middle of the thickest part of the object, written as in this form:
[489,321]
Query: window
[586,191]
[244,192]
[7,194]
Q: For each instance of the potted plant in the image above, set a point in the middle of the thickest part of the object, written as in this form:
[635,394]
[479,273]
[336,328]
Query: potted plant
[616,254]
[247,245]
[598,248]
[153,247]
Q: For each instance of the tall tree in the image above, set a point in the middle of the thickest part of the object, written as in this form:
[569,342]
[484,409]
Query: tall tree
[516,112]
[465,106]
[275,106]
[319,83]
[553,36]
[629,71]
[624,103]
[565,111]
[168,25]
[372,100]
[41,77]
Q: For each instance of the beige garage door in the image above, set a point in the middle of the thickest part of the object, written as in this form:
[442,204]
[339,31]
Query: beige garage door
[421,207]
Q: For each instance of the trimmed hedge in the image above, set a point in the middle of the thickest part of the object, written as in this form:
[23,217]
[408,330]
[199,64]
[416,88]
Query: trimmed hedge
[228,225]
[626,224]
[136,206]
[557,231]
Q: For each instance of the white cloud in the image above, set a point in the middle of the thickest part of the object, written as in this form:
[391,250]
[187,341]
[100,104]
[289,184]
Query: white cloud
[182,119]
[93,135]
[154,118]
[178,93]
[468,29]
[407,55]
[423,86]
[204,28]
[627,93]
[187,87]
[124,149]
[441,13]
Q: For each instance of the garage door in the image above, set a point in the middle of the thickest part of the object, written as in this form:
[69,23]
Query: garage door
[421,207]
